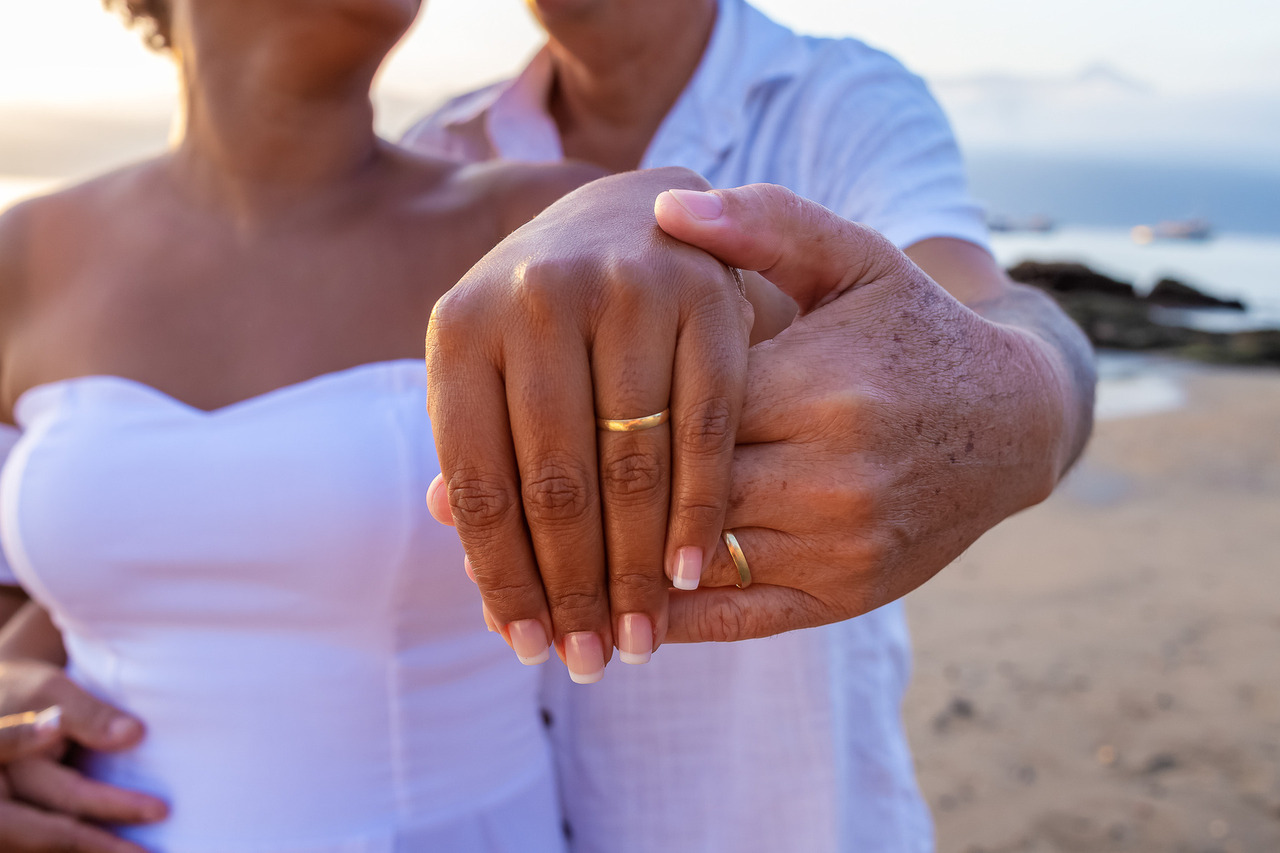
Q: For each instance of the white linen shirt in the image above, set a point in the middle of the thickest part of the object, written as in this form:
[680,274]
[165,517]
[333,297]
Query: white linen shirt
[796,742]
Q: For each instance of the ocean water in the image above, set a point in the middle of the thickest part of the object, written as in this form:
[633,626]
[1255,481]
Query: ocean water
[1244,266]
[1241,266]
[1237,198]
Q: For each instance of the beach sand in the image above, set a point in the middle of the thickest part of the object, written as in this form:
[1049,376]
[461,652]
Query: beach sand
[1102,672]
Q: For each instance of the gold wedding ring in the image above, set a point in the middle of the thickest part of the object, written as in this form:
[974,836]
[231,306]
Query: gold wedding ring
[739,560]
[634,424]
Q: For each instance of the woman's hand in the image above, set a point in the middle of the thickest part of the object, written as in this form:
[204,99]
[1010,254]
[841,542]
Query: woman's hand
[44,805]
[589,311]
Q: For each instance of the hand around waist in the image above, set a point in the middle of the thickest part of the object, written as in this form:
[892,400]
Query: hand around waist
[45,805]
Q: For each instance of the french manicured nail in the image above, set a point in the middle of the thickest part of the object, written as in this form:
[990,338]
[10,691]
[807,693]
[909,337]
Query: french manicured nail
[688,570]
[705,206]
[635,638]
[584,655]
[433,495]
[50,719]
[529,639]
[466,567]
[488,618]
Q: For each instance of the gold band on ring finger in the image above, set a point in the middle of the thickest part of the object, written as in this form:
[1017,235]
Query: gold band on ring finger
[634,424]
[739,560]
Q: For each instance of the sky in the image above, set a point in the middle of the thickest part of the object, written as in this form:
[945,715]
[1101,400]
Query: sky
[69,52]
[1167,81]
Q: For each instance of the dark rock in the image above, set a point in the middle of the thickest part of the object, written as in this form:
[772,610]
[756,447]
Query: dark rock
[1115,317]
[1160,762]
[1069,278]
[1171,293]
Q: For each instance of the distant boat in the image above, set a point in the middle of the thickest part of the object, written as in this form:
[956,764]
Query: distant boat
[1008,224]
[1172,229]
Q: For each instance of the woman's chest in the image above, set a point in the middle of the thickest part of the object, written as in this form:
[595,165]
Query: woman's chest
[122,505]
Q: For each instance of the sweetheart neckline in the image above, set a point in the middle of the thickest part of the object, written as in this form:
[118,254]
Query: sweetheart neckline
[235,405]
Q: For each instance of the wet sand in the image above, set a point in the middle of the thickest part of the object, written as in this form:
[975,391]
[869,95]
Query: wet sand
[1102,672]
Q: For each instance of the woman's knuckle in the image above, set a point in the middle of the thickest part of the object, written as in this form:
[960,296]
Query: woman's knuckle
[632,472]
[479,500]
[546,288]
[708,426]
[556,489]
[576,607]
[699,512]
[505,593]
[635,584]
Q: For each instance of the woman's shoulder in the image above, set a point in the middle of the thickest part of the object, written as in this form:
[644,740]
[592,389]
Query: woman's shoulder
[62,222]
[520,191]
[503,194]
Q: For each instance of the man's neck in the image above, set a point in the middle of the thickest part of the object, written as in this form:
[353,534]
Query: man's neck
[619,70]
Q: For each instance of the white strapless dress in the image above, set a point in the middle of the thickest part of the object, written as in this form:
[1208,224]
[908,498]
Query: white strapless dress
[263,585]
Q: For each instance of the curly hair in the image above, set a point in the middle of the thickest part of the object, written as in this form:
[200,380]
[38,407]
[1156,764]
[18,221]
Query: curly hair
[152,16]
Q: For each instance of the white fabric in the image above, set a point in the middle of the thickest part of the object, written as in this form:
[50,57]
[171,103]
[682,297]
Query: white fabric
[795,742]
[8,438]
[833,119]
[263,586]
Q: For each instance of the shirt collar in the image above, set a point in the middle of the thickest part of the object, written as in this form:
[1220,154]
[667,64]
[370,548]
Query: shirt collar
[746,51]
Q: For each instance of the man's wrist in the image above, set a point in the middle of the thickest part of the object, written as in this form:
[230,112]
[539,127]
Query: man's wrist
[1056,396]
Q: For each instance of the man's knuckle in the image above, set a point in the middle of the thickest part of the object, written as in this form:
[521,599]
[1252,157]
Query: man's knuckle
[557,489]
[728,621]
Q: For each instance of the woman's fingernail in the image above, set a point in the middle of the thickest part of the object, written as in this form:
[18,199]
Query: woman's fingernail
[488,618]
[635,638]
[688,569]
[153,812]
[439,507]
[123,728]
[466,567]
[704,206]
[529,639]
[584,655]
[50,719]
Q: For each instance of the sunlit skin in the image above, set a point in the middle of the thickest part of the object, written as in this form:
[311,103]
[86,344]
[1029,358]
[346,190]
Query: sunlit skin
[278,210]
[618,67]
[280,239]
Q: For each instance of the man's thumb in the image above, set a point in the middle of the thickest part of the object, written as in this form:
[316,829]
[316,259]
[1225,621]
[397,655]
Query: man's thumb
[808,252]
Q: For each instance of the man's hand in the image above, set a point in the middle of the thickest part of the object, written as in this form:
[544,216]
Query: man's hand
[589,311]
[45,806]
[884,431]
